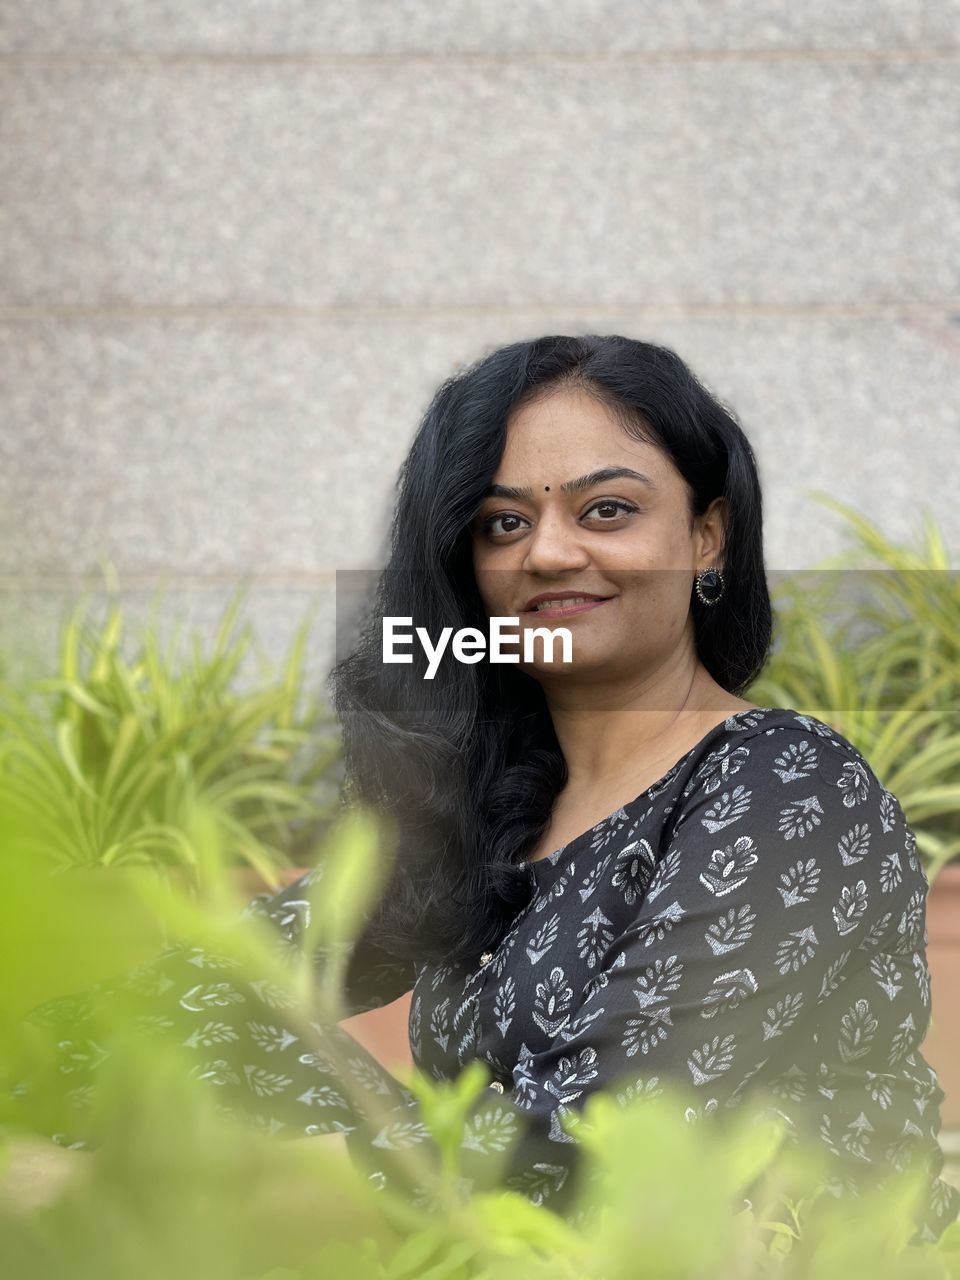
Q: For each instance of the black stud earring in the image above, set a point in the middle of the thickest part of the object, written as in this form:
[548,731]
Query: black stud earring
[710,585]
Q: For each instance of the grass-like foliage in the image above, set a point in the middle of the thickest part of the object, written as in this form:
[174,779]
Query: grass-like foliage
[101,763]
[869,642]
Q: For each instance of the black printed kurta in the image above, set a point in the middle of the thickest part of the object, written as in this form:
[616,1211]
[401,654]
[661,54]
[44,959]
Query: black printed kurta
[753,920]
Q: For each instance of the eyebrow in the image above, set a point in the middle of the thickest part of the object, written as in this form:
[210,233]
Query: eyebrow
[572,486]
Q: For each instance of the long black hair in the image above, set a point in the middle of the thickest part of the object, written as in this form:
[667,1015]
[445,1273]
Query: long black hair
[464,768]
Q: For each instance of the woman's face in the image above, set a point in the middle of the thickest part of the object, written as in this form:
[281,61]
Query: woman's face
[623,538]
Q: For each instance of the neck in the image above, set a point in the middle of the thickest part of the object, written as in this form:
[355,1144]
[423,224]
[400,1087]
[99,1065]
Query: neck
[612,731]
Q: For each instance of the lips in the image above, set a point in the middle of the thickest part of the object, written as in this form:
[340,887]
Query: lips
[563,605]
[561,599]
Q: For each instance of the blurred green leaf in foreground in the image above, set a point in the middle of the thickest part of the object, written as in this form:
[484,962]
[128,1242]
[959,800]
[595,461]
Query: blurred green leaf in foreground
[176,1189]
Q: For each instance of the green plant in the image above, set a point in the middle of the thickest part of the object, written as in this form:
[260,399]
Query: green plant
[177,1189]
[874,651]
[102,762]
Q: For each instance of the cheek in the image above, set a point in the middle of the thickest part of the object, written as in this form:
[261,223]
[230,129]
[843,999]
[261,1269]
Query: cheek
[656,595]
[643,553]
[653,544]
[489,583]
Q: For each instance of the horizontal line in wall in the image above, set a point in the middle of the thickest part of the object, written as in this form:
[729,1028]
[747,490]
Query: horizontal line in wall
[289,579]
[281,580]
[360,311]
[238,58]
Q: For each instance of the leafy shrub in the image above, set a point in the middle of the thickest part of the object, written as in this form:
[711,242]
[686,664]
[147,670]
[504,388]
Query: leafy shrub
[101,763]
[869,642]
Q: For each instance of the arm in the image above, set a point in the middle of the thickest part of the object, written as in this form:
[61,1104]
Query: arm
[771,893]
[201,1003]
[373,977]
[777,886]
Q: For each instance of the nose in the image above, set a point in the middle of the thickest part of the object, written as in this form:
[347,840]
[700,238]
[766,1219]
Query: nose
[553,545]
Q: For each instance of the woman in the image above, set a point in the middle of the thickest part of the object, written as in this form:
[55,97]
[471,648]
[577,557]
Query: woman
[610,871]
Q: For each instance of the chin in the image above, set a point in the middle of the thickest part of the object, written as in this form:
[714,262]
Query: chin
[582,665]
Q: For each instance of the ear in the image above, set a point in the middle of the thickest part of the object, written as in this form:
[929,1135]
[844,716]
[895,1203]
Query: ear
[711,533]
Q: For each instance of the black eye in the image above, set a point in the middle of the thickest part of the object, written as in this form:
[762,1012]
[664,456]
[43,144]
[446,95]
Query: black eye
[504,518]
[612,508]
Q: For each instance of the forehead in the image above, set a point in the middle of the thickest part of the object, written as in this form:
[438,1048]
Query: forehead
[569,429]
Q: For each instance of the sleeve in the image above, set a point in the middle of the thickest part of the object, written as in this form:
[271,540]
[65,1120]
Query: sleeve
[777,883]
[770,893]
[373,976]
[240,1036]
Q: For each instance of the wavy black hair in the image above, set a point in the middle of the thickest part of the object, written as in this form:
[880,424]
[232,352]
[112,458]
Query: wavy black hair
[464,768]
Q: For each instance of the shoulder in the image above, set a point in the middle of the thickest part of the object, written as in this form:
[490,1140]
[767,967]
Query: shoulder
[798,798]
[783,760]
[778,745]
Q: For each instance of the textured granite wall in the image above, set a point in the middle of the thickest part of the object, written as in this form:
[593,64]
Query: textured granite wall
[241,243]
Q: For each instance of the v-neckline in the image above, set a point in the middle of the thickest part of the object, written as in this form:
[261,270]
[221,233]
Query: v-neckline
[558,855]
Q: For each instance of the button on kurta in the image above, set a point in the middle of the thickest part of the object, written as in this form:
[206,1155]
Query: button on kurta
[486,957]
[497,1087]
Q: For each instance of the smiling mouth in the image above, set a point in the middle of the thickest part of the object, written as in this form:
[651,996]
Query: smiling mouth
[565,607]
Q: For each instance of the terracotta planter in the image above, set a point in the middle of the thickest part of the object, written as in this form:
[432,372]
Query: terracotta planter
[942,1045]
[249,882]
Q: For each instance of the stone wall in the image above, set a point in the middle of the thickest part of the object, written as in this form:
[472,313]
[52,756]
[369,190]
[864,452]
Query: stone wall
[241,244]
